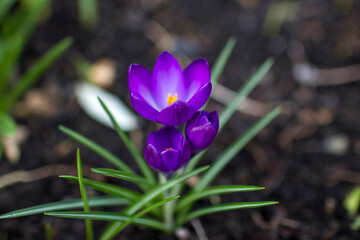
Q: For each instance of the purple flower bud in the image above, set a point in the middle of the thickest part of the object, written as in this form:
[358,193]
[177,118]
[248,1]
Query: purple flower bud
[201,129]
[167,150]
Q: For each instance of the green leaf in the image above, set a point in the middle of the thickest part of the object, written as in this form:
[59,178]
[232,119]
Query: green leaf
[89,229]
[234,148]
[107,188]
[88,14]
[113,228]
[96,148]
[220,62]
[352,201]
[36,70]
[231,108]
[119,174]
[143,165]
[5,6]
[146,210]
[66,205]
[223,208]
[355,225]
[244,92]
[151,194]
[7,125]
[109,216]
[194,196]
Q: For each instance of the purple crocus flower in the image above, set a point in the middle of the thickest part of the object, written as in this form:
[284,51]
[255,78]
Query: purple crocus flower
[167,150]
[201,129]
[169,95]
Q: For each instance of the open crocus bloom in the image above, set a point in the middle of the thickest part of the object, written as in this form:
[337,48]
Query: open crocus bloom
[169,95]
[167,150]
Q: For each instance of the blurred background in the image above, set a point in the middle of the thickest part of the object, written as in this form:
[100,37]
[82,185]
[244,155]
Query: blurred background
[307,159]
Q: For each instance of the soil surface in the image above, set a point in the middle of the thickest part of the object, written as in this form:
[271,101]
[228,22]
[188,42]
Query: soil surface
[307,159]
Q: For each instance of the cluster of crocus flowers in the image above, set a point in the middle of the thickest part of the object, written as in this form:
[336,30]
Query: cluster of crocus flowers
[171,96]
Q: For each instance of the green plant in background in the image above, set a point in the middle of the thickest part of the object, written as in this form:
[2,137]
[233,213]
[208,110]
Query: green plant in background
[351,204]
[18,20]
[157,204]
[88,13]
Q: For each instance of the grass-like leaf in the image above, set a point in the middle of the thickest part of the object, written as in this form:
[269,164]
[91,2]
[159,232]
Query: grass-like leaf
[7,125]
[113,228]
[234,148]
[220,62]
[244,92]
[5,6]
[146,210]
[37,69]
[107,188]
[96,148]
[194,196]
[223,208]
[66,205]
[143,165]
[250,84]
[222,59]
[119,174]
[88,14]
[109,216]
[89,229]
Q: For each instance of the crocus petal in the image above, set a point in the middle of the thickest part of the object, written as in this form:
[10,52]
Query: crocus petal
[215,120]
[201,136]
[167,78]
[153,158]
[201,96]
[175,114]
[185,153]
[166,137]
[143,107]
[140,82]
[170,159]
[196,75]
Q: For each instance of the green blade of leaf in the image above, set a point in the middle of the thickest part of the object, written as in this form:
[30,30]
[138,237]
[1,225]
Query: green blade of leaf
[107,188]
[143,165]
[250,84]
[5,6]
[89,228]
[96,148]
[87,13]
[220,62]
[113,228]
[218,190]
[244,92]
[352,201]
[148,196]
[66,205]
[146,210]
[234,148]
[7,125]
[109,216]
[37,69]
[119,174]
[223,208]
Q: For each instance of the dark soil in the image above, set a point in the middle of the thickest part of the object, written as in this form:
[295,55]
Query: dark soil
[289,157]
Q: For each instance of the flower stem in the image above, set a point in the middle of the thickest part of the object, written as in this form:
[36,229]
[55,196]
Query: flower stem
[168,208]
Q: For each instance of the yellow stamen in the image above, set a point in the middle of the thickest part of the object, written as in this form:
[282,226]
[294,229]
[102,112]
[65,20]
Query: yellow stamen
[168,148]
[171,99]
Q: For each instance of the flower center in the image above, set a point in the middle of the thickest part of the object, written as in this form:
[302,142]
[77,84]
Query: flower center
[171,99]
[168,148]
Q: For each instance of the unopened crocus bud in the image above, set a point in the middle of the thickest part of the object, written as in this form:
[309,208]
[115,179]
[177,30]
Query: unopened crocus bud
[201,129]
[167,150]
